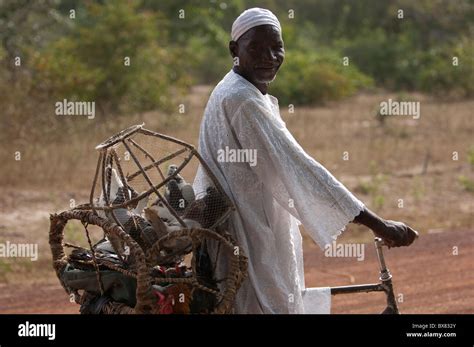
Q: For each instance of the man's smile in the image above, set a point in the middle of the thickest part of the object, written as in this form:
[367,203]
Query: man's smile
[269,67]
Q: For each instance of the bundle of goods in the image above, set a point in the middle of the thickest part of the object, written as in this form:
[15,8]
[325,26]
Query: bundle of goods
[153,254]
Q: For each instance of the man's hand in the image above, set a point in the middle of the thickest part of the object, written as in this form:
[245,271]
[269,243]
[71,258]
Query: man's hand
[394,234]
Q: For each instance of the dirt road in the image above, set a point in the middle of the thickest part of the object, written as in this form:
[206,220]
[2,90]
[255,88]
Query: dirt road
[428,278]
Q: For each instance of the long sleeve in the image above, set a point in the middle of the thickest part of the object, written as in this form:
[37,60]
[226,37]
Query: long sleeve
[297,182]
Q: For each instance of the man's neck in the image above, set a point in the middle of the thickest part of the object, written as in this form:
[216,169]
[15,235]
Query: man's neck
[263,87]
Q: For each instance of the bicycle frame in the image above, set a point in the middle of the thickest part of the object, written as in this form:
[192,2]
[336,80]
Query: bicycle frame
[385,284]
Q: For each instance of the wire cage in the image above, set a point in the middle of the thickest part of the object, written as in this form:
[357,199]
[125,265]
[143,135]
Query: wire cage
[157,216]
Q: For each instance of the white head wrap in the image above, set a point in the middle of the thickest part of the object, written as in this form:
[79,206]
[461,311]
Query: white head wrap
[251,18]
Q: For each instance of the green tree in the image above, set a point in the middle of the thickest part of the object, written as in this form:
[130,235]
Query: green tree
[115,55]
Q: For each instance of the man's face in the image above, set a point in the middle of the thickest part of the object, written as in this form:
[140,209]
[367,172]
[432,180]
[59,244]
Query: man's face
[260,52]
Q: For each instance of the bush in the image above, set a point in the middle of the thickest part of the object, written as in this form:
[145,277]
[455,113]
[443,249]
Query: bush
[395,62]
[208,62]
[466,183]
[384,57]
[88,64]
[309,78]
[440,76]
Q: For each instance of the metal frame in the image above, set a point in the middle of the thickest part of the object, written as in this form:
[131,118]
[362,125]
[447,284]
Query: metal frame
[385,285]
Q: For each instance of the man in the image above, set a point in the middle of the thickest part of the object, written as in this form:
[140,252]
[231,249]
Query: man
[283,186]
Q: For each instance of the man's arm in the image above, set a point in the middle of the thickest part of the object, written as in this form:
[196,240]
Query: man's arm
[395,234]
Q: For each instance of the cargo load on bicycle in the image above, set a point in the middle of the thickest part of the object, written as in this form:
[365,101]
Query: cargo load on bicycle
[155,224]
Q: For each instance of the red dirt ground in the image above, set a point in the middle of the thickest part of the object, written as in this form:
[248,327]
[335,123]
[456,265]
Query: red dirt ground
[428,276]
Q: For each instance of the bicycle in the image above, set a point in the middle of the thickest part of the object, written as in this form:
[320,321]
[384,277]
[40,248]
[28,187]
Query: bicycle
[385,285]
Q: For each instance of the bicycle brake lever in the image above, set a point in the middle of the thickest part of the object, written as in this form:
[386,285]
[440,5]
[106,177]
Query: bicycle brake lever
[380,241]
